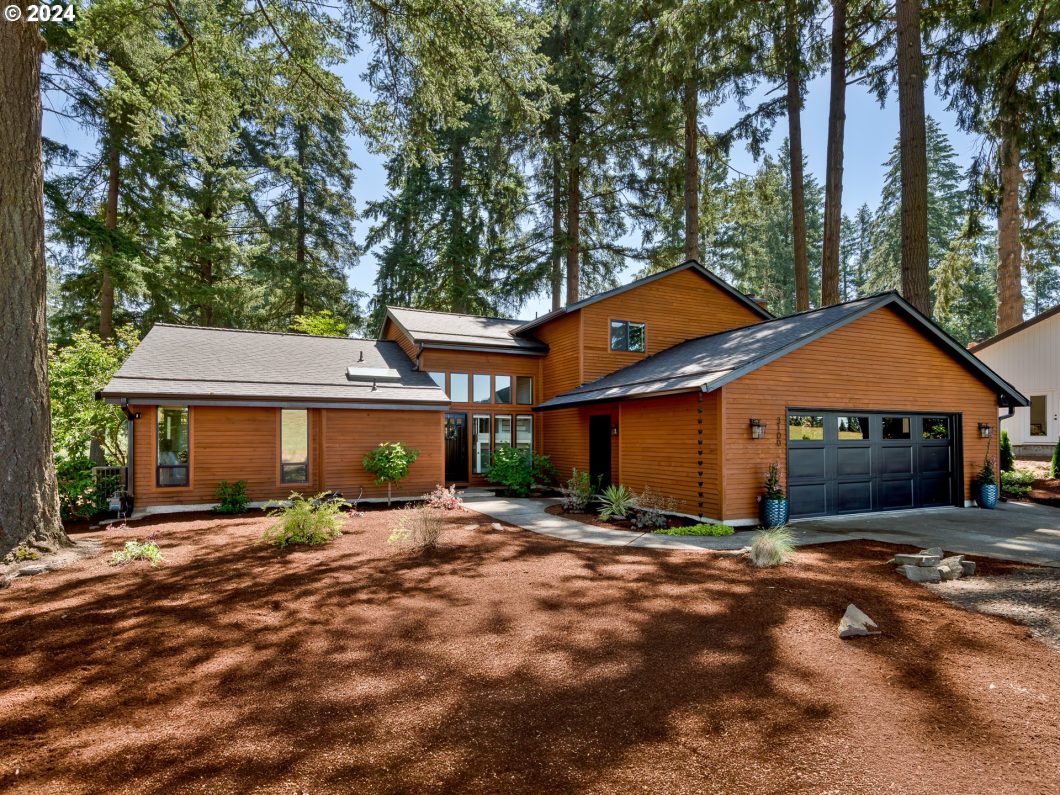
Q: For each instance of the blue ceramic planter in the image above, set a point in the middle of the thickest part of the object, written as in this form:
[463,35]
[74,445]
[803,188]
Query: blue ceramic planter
[774,513]
[986,496]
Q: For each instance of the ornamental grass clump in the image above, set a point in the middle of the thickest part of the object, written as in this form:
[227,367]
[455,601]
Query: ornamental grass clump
[772,547]
[305,520]
[137,550]
[419,527]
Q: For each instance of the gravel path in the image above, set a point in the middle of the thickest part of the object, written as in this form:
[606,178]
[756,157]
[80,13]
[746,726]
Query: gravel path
[1029,597]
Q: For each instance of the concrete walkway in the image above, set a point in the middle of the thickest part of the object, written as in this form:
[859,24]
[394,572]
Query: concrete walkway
[529,514]
[1018,531]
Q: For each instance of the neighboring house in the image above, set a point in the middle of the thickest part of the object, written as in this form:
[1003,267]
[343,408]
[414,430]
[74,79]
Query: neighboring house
[1028,357]
[676,382]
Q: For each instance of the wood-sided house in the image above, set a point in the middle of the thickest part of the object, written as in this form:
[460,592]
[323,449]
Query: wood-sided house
[676,382]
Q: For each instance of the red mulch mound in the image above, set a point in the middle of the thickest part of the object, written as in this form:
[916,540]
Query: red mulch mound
[507,662]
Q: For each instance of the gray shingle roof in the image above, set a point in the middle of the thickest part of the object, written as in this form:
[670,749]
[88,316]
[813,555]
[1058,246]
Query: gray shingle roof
[445,328]
[707,363]
[206,363]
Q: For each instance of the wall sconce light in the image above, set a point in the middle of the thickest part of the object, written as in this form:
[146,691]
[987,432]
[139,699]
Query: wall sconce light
[614,430]
[758,429]
[985,429]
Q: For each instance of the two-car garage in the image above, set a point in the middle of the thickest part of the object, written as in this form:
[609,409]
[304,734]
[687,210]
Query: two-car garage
[849,461]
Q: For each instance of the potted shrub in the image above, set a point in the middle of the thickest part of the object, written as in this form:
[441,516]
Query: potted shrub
[984,486]
[775,500]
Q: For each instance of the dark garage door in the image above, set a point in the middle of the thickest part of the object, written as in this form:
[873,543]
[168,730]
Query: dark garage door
[854,462]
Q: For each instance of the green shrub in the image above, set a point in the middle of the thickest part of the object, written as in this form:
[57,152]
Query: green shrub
[389,463]
[137,550]
[578,491]
[1054,465]
[774,491]
[616,502]
[1008,459]
[698,530]
[419,527]
[232,497]
[773,547]
[79,496]
[305,520]
[1016,483]
[520,470]
[651,509]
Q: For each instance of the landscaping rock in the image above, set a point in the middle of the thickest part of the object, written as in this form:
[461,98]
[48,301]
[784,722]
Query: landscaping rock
[967,568]
[917,560]
[36,568]
[497,527]
[921,573]
[856,624]
[933,551]
[950,568]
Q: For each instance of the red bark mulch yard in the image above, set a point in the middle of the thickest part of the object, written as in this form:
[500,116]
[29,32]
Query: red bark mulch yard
[507,662]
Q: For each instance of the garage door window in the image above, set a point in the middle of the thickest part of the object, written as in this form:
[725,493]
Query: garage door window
[805,427]
[935,427]
[853,428]
[895,427]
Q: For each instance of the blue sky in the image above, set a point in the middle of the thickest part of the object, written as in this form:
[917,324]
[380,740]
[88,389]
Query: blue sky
[870,134]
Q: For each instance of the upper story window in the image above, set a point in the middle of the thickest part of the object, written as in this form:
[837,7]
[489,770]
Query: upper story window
[502,388]
[524,390]
[458,387]
[294,445]
[627,336]
[172,465]
[480,384]
[439,379]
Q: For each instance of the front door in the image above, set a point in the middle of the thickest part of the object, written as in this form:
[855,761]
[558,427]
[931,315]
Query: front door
[456,448]
[600,449]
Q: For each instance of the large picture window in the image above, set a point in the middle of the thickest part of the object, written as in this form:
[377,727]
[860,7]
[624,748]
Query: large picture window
[524,390]
[480,443]
[481,388]
[524,431]
[172,465]
[627,336]
[294,445]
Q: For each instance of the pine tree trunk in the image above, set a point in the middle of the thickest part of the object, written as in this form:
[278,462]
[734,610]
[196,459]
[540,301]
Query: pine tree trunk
[300,231]
[833,184]
[557,233]
[29,500]
[798,195]
[916,286]
[691,113]
[573,229]
[110,220]
[1009,247]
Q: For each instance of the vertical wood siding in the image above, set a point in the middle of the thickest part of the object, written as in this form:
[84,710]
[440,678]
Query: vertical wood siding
[242,443]
[879,362]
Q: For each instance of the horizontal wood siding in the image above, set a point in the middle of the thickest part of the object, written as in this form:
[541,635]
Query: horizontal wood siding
[671,445]
[879,362]
[566,439]
[352,434]
[562,368]
[242,443]
[392,332]
[675,308]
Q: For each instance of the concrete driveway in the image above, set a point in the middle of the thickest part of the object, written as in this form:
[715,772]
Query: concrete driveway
[1018,531]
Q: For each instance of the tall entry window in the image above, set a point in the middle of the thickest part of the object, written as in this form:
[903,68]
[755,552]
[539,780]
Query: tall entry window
[502,430]
[1039,421]
[172,466]
[627,336]
[480,443]
[294,445]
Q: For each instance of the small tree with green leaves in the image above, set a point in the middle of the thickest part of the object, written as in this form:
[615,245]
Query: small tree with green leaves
[1008,459]
[389,463]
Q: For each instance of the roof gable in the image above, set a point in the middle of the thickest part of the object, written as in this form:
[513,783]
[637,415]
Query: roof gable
[688,265]
[708,363]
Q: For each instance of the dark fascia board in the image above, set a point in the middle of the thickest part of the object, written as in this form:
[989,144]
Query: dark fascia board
[686,265]
[425,342]
[1026,324]
[618,399]
[1006,390]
